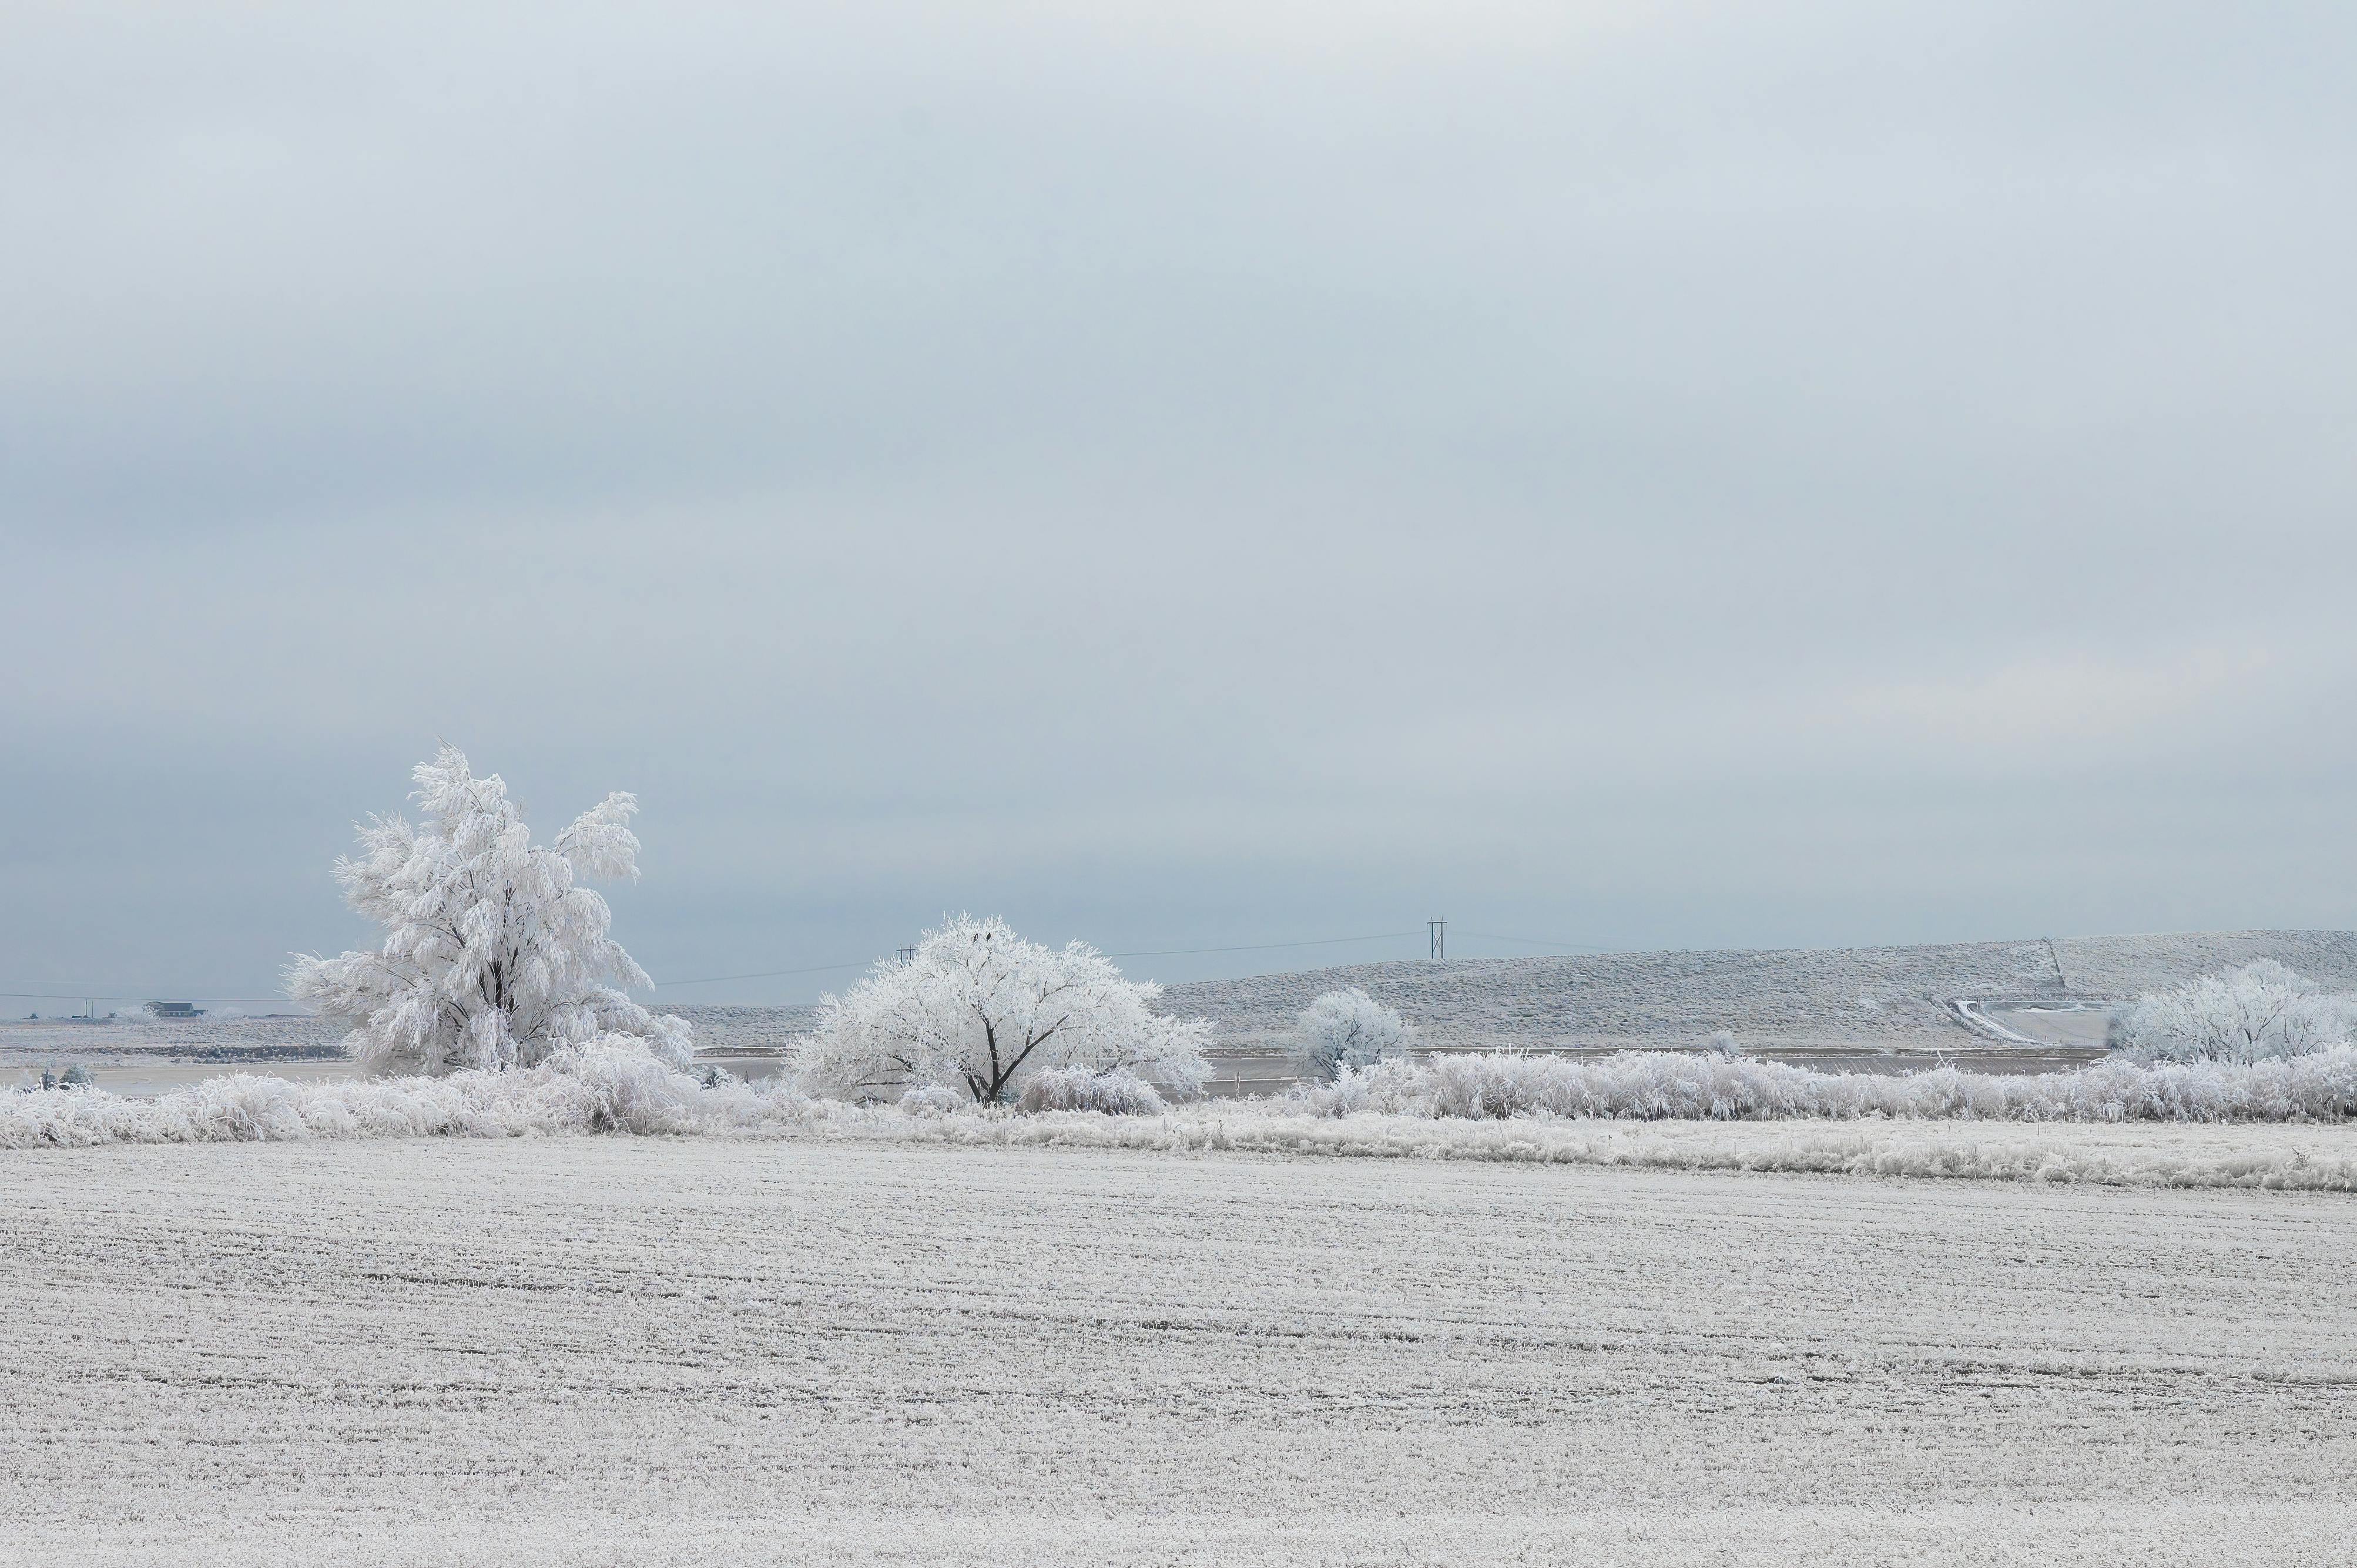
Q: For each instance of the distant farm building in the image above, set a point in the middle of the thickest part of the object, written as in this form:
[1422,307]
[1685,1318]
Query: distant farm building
[176,1010]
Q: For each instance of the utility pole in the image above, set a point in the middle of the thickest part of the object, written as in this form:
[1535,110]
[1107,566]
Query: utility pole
[1438,932]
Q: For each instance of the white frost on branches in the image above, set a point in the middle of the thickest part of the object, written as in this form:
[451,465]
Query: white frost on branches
[1114,1093]
[2261,1012]
[493,956]
[980,1009]
[1646,1086]
[1348,1028]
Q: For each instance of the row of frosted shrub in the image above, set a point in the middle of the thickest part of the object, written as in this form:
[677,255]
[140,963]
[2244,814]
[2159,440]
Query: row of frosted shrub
[615,1085]
[1656,1085]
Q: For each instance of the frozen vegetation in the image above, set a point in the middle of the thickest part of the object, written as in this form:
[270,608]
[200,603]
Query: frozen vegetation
[2261,1012]
[1704,1111]
[976,1008]
[1115,1093]
[1647,1085]
[597,1352]
[1345,1030]
[493,954]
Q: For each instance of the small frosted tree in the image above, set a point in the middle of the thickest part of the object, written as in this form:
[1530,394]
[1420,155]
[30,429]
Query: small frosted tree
[1347,1028]
[2258,1012]
[493,955]
[978,1009]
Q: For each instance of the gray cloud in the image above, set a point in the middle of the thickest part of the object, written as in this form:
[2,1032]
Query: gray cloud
[1635,473]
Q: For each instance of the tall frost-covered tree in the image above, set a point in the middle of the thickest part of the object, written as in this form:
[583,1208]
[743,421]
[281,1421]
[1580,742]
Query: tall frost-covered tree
[494,956]
[1348,1028]
[978,1009]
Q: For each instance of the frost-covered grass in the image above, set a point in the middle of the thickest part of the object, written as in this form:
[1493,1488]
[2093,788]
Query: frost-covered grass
[1078,1089]
[2118,1123]
[1643,1085]
[606,1087]
[600,1351]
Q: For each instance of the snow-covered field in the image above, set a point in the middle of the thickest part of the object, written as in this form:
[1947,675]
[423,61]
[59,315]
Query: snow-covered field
[591,1351]
[289,1035]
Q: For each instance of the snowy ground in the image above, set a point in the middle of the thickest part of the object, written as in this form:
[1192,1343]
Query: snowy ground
[287,1036]
[609,1350]
[2062,1023]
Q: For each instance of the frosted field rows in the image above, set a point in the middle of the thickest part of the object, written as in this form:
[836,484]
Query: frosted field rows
[607,1350]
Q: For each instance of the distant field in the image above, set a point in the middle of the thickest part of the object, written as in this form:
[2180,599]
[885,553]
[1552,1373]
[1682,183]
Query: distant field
[599,1351]
[1872,1008]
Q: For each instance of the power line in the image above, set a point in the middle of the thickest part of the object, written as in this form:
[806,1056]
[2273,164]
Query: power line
[116,995]
[1154,952]
[1538,941]
[767,973]
[1265,947]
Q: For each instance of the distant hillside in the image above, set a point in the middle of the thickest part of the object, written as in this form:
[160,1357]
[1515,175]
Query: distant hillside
[1872,999]
[1802,997]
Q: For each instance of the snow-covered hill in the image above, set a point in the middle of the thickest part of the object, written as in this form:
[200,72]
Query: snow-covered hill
[1866,999]
[1875,997]
[1871,999]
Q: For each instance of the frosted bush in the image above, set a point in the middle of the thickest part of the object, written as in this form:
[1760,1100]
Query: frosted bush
[613,1083]
[1077,1089]
[931,1100]
[493,956]
[978,1005]
[627,1087]
[1655,1085]
[2261,1012]
[1347,1028]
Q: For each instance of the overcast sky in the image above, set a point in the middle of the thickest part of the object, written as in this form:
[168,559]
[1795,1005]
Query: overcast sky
[1184,477]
